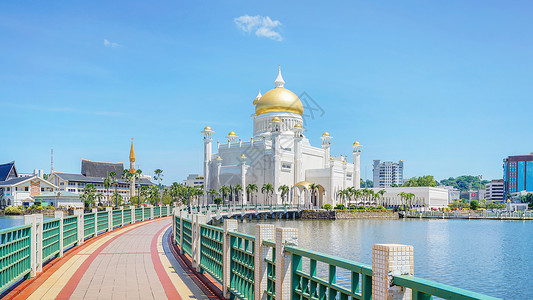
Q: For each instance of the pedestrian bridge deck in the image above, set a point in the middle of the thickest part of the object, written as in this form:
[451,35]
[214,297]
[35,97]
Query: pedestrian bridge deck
[131,262]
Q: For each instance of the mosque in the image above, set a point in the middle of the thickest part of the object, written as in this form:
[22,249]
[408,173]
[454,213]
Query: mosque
[279,154]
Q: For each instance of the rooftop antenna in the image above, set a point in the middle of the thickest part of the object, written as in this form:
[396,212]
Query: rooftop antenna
[51,160]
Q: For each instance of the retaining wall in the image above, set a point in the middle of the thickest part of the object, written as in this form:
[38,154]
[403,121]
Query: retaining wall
[337,215]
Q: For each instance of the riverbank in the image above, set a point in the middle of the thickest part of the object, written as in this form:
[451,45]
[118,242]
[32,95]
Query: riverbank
[344,214]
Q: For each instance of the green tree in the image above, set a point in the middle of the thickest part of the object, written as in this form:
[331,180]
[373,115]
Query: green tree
[327,207]
[154,195]
[137,176]
[426,180]
[224,192]
[251,189]
[284,190]
[465,183]
[89,195]
[158,177]
[527,199]
[474,205]
[237,189]
[313,188]
[213,193]
[108,181]
[144,193]
[268,190]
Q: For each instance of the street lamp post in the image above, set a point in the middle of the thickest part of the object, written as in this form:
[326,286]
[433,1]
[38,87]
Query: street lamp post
[115,182]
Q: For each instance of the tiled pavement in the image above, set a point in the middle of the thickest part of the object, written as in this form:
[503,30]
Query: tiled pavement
[128,263]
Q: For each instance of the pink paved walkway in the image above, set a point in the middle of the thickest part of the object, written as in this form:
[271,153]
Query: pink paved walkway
[127,263]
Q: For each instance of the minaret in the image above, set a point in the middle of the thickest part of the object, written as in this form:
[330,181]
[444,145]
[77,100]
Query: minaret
[298,137]
[357,165]
[279,80]
[326,145]
[276,149]
[132,169]
[207,154]
[244,167]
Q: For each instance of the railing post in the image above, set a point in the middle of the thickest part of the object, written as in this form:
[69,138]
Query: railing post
[182,215]
[121,216]
[284,236]
[109,218]
[95,211]
[168,210]
[174,216]
[197,239]
[60,215]
[151,212]
[229,226]
[142,216]
[132,214]
[81,231]
[262,232]
[36,240]
[390,260]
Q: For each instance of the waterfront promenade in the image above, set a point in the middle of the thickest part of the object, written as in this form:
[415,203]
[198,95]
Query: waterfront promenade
[133,262]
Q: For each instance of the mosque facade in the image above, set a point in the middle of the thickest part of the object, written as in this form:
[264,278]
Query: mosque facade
[279,154]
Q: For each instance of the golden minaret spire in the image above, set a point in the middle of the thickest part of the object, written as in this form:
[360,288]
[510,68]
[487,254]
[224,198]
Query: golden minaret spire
[132,158]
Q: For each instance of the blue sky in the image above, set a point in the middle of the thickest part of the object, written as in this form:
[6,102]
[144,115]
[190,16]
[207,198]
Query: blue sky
[444,85]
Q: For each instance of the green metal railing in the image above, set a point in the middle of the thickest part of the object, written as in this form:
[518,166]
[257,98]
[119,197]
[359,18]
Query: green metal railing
[211,249]
[423,289]
[127,216]
[306,284]
[70,231]
[88,224]
[103,221]
[157,211]
[138,214]
[117,217]
[146,213]
[187,236]
[14,255]
[50,238]
[271,271]
[242,265]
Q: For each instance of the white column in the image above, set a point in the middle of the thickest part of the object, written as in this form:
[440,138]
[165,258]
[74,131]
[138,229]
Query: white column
[81,232]
[151,212]
[197,238]
[357,170]
[229,225]
[390,260]
[59,215]
[36,240]
[298,172]
[284,236]
[262,232]
[95,211]
[244,167]
[109,218]
[132,208]
[276,170]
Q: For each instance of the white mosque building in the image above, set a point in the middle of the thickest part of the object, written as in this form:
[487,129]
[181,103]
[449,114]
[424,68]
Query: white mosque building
[279,154]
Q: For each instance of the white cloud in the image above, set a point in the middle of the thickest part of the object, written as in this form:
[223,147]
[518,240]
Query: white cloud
[110,44]
[263,26]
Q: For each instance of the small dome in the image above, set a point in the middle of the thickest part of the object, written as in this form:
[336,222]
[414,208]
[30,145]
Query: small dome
[207,128]
[276,119]
[325,134]
[298,125]
[356,143]
[243,156]
[219,158]
[232,133]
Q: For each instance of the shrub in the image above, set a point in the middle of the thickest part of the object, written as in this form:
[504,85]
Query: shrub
[353,207]
[340,206]
[12,210]
[361,207]
[327,206]
[380,208]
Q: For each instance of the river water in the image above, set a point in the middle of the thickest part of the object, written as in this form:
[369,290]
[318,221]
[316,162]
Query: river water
[487,256]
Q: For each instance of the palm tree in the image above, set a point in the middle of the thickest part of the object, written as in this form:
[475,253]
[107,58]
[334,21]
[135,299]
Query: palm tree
[224,192]
[213,193]
[284,189]
[251,188]
[237,189]
[144,194]
[114,182]
[137,175]
[380,194]
[314,192]
[342,195]
[107,184]
[267,189]
[158,176]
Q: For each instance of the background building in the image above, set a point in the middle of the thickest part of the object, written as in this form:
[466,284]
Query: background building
[19,190]
[425,197]
[494,190]
[194,180]
[518,174]
[387,173]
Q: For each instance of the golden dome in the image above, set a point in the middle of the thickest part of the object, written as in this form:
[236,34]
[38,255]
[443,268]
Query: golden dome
[279,99]
[243,156]
[207,128]
[276,119]
[219,158]
[325,134]
[356,143]
[298,125]
[232,133]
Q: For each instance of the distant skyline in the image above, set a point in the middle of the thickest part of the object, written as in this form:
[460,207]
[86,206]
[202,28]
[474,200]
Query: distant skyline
[444,86]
